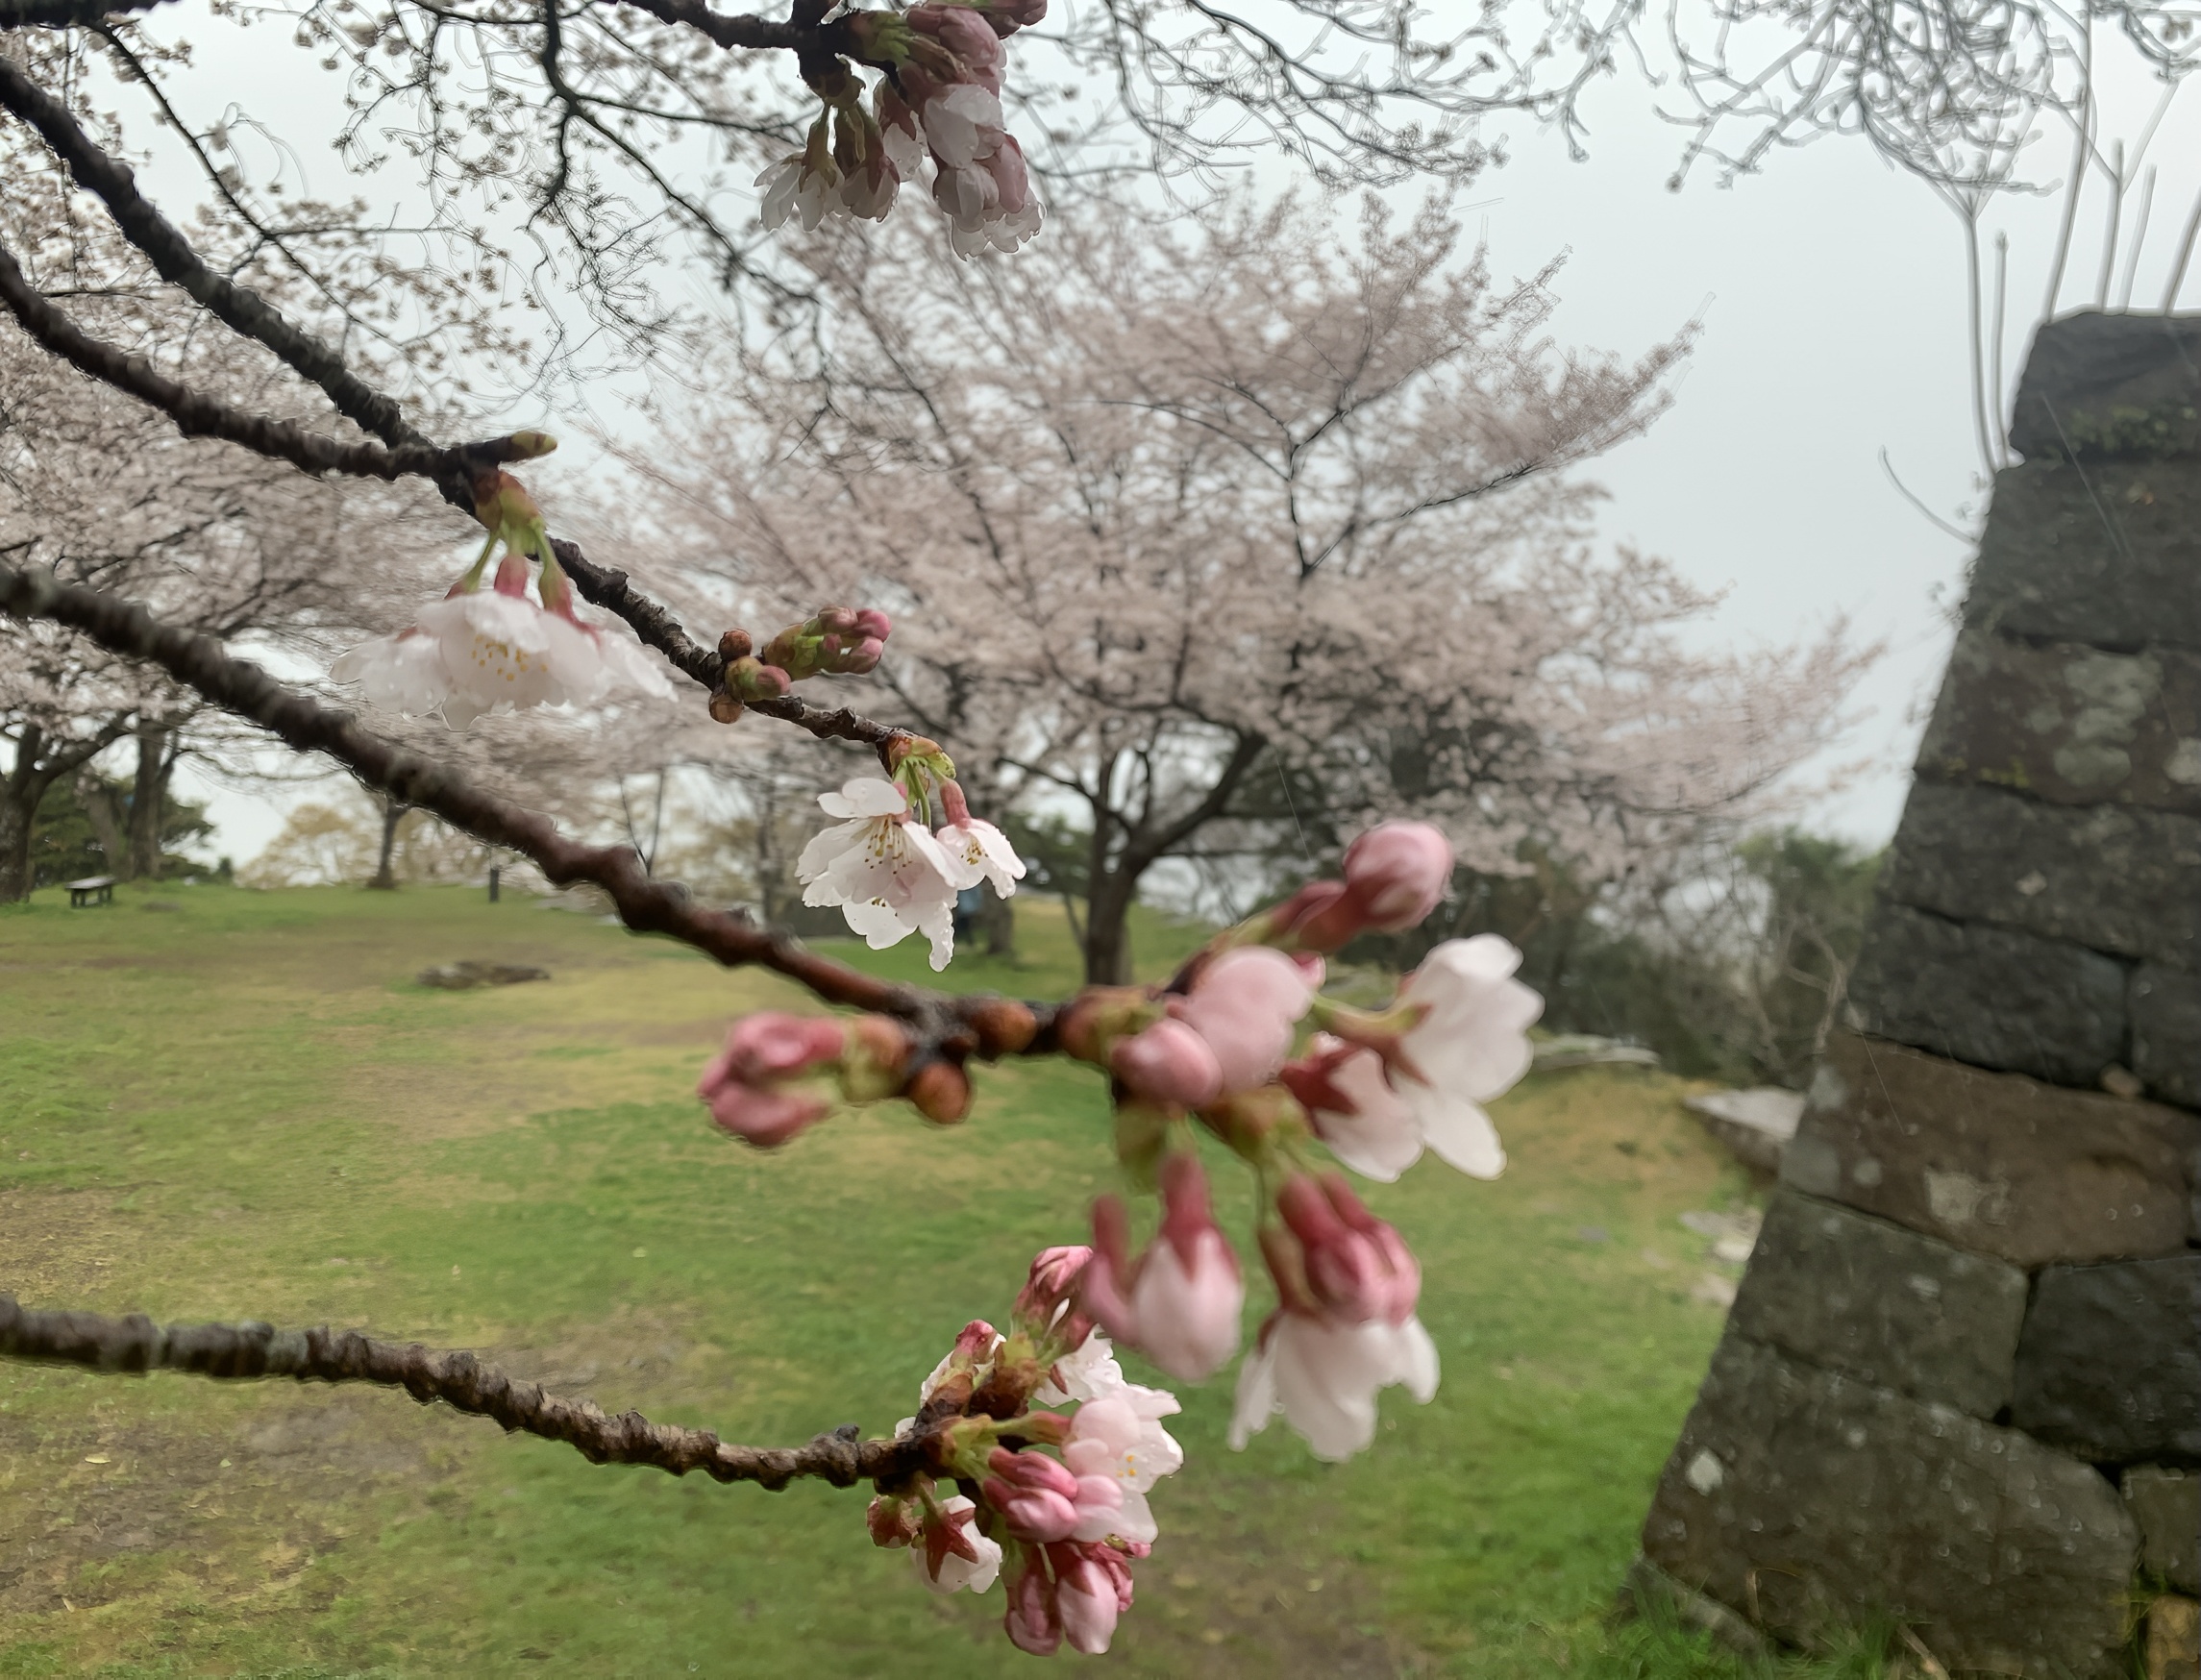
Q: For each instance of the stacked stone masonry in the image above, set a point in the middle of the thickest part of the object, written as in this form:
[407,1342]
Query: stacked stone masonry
[1961,1383]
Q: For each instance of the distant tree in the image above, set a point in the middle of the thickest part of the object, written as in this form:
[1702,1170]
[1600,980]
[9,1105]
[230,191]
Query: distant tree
[77,833]
[1251,527]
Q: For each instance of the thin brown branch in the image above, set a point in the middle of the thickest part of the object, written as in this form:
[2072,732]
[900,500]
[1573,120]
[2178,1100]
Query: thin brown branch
[136,1345]
[952,1027]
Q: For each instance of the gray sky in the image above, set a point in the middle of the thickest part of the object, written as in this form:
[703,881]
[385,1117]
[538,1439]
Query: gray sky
[1833,299]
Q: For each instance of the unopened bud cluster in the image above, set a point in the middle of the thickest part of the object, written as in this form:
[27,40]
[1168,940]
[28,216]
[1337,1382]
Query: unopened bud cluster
[834,641]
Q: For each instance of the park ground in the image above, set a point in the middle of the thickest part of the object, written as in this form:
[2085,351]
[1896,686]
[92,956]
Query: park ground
[224,1104]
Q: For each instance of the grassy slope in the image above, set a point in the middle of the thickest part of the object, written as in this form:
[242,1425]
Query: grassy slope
[242,1106]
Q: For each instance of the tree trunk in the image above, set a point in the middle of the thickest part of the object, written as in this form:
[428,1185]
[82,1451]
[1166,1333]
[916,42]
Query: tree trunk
[997,920]
[14,847]
[1108,929]
[148,803]
[393,813]
[19,797]
[105,812]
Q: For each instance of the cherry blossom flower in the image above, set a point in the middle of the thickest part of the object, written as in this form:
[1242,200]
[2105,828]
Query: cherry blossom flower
[1244,1004]
[743,1083]
[1323,1377]
[1170,1063]
[478,650]
[805,184]
[1089,1372]
[1119,1440]
[1179,1304]
[885,871]
[980,851]
[955,1555]
[1377,1113]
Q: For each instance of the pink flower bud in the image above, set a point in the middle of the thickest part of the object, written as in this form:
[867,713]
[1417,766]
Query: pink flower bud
[1054,1274]
[872,622]
[1169,1062]
[1179,1304]
[1033,1622]
[835,620]
[511,576]
[1189,1295]
[1087,1600]
[751,679]
[1396,874]
[765,1117]
[775,1045]
[1244,1004]
[1036,1495]
[1011,180]
[1356,1268]
[743,1082]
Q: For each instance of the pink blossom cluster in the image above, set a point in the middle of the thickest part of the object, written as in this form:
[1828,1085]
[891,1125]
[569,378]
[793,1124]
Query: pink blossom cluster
[889,874]
[1222,1046]
[1061,1529]
[939,105]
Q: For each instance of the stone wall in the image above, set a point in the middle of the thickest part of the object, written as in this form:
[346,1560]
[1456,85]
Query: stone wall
[1961,1383]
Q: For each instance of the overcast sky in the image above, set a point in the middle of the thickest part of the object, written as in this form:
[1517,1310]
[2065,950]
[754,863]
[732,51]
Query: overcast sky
[1832,294]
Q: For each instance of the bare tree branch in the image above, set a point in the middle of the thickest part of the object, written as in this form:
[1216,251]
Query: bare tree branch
[247,1351]
[67,13]
[952,1027]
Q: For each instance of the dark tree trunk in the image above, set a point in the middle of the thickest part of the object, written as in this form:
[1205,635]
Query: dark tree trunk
[20,795]
[385,878]
[997,920]
[149,802]
[14,847]
[103,808]
[1108,927]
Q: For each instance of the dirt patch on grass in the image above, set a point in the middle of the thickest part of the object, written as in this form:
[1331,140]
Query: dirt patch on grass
[56,1246]
[97,1508]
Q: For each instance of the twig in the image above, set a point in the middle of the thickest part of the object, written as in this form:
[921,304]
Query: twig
[952,1027]
[246,1351]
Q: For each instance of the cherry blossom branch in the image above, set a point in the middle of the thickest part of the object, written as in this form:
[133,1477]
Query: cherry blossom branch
[247,1351]
[944,1027]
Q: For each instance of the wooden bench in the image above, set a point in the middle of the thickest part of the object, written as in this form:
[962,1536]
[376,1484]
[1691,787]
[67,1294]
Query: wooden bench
[93,889]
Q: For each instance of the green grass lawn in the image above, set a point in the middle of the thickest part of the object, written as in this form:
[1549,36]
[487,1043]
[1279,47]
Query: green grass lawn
[217,1103]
